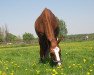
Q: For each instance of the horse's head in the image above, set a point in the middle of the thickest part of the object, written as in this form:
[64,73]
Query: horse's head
[55,51]
[55,55]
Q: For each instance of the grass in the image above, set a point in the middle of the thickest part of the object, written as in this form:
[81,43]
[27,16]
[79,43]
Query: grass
[77,59]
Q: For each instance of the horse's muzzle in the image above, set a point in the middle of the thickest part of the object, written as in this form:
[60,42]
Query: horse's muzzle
[56,61]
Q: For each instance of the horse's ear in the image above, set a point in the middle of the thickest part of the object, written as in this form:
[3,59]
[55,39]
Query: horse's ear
[61,38]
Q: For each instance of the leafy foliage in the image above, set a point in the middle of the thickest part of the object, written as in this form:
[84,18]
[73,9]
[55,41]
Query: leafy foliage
[27,37]
[10,37]
[79,37]
[63,29]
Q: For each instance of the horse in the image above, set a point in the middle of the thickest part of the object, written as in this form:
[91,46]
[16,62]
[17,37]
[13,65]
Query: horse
[47,29]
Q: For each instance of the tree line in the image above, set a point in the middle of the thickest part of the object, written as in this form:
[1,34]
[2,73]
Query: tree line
[7,38]
[79,37]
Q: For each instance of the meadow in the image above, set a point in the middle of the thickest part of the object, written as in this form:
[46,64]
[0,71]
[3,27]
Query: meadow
[77,59]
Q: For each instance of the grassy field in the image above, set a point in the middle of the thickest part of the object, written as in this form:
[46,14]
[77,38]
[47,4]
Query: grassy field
[77,59]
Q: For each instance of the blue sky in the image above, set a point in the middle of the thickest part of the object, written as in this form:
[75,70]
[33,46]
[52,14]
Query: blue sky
[20,15]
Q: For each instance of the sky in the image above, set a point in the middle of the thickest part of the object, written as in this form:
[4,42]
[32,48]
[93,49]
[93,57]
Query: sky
[20,15]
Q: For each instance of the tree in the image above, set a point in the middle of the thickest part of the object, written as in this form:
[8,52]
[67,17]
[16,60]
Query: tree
[6,33]
[27,37]
[3,33]
[62,27]
[1,36]
[10,37]
[5,36]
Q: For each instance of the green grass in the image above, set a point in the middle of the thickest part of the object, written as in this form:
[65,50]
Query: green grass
[77,59]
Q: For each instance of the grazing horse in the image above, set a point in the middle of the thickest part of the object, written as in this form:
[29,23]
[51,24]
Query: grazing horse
[47,29]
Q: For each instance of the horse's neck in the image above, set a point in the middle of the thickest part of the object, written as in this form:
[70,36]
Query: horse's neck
[53,43]
[49,31]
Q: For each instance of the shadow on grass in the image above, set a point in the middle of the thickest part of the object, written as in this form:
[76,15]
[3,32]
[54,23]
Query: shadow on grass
[48,60]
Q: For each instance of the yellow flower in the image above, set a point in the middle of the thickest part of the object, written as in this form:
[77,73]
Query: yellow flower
[26,69]
[12,62]
[84,60]
[18,66]
[69,66]
[0,72]
[88,73]
[91,70]
[73,64]
[15,64]
[80,66]
[37,71]
[55,72]
[11,73]
[6,68]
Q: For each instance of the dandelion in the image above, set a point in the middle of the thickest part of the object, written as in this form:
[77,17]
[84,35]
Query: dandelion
[46,69]
[0,72]
[18,66]
[53,74]
[0,61]
[34,64]
[37,71]
[12,62]
[84,60]
[80,66]
[73,64]
[69,67]
[54,71]
[15,64]
[26,69]
[88,73]
[6,68]
[91,70]
[12,73]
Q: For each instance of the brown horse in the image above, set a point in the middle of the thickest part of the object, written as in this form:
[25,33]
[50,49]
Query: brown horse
[47,29]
